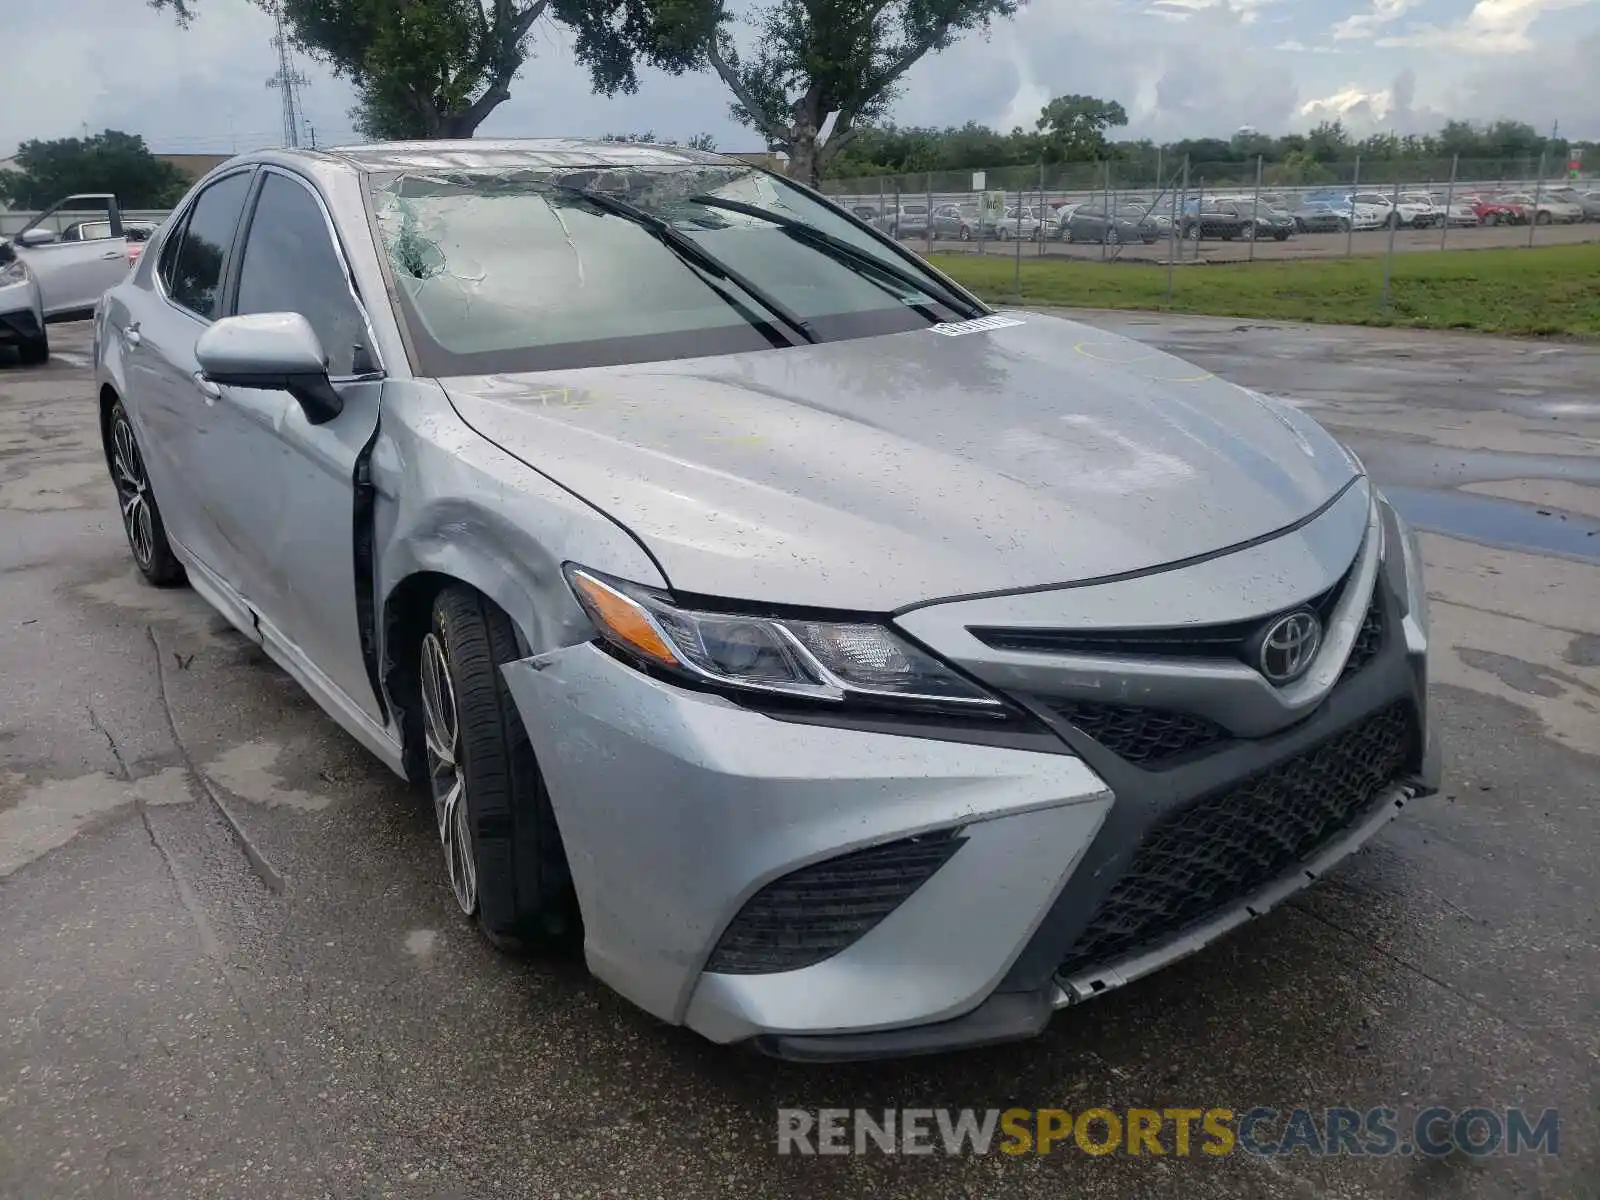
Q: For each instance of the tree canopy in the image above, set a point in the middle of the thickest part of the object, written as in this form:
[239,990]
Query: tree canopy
[1325,154]
[112,161]
[438,68]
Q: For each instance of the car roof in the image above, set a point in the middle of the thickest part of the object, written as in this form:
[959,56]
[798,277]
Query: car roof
[485,154]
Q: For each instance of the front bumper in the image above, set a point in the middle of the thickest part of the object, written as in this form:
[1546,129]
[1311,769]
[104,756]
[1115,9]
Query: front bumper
[21,315]
[684,812]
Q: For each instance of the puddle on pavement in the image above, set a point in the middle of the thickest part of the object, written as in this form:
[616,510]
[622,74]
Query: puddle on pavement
[1499,522]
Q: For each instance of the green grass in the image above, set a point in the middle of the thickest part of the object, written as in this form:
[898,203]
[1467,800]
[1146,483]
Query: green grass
[1550,290]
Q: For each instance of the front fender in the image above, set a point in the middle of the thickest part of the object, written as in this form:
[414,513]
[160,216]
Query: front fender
[449,502]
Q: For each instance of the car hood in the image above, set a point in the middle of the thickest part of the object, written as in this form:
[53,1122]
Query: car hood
[1018,451]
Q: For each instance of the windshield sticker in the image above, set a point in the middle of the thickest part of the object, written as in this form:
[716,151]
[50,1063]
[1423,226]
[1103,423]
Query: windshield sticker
[976,325]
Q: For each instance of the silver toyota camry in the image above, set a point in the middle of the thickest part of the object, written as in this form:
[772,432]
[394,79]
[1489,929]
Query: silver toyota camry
[859,670]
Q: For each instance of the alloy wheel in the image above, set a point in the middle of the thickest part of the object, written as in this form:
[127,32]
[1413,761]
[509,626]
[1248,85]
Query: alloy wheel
[133,491]
[442,736]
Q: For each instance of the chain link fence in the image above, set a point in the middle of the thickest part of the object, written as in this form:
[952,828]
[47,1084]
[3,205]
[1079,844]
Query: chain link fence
[1159,210]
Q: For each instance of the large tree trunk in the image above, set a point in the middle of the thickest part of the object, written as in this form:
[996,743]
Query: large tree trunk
[803,163]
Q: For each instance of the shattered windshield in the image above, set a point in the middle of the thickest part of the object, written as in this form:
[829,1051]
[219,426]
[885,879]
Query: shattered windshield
[516,270]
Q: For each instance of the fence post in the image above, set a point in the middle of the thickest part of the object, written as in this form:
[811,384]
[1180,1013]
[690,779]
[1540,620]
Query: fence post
[1039,228]
[1173,241]
[1350,231]
[1538,192]
[927,216]
[1449,199]
[1016,236]
[1255,212]
[1394,226]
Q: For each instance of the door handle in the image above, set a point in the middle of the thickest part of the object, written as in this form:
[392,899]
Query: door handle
[110,254]
[209,390]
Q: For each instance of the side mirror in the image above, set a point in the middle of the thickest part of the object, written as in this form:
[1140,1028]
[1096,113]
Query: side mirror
[277,351]
[36,237]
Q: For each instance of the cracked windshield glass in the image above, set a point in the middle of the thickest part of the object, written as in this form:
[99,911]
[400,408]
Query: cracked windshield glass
[563,267]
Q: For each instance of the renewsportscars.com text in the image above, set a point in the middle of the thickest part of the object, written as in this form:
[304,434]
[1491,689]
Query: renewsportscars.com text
[1434,1132]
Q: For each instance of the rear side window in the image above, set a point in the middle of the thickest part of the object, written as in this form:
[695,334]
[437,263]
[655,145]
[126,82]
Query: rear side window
[290,265]
[196,275]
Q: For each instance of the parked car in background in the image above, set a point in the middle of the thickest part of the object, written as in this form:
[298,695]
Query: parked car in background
[1492,210]
[1143,211]
[1055,225]
[1257,220]
[958,222]
[74,267]
[1408,213]
[1318,216]
[1427,215]
[909,221]
[1213,219]
[22,313]
[1094,223]
[825,750]
[1021,223]
[865,212]
[1455,210]
[1543,210]
[1363,215]
[1587,201]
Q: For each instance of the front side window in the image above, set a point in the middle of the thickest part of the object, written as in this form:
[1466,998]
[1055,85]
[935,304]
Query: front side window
[290,265]
[195,280]
[514,270]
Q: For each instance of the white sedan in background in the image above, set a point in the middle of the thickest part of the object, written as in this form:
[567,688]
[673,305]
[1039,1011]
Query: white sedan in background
[1018,223]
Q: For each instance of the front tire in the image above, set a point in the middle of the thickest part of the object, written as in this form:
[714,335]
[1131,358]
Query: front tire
[141,518]
[35,353]
[503,855]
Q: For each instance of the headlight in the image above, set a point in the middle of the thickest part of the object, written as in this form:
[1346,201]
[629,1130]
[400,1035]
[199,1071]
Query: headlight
[13,272]
[832,662]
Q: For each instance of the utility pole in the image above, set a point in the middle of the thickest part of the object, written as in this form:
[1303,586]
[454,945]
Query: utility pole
[287,80]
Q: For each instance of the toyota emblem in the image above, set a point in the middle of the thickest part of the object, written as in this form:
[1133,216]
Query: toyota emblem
[1288,646]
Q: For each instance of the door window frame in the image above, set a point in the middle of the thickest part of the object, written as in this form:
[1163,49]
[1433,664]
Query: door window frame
[230,297]
[180,231]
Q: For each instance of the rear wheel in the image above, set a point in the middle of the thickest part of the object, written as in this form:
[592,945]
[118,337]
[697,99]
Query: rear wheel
[966,234]
[141,519]
[503,855]
[1543,218]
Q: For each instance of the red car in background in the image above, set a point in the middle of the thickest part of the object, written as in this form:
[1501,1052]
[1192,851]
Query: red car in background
[1491,210]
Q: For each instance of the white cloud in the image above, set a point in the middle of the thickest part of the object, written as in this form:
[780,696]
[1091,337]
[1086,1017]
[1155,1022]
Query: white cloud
[1366,25]
[1297,47]
[1492,27]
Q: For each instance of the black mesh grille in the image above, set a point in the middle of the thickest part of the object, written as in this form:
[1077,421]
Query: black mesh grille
[1369,639]
[1140,735]
[815,912]
[1225,846]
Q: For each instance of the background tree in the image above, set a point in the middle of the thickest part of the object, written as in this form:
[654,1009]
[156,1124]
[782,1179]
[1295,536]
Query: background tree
[1074,127]
[114,162]
[438,68]
[811,58]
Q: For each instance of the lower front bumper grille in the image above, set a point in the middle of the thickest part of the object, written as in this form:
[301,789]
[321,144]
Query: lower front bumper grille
[814,913]
[1225,846]
[1140,735]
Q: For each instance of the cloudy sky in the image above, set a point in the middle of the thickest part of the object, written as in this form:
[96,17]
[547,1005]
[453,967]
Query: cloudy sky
[1180,67]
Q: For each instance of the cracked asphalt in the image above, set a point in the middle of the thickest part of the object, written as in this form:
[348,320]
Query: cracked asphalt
[230,965]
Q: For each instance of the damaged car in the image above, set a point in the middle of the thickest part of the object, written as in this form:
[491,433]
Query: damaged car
[852,668]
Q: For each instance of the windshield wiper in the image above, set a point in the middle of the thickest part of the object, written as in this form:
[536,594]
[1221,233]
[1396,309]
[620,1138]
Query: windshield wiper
[694,254]
[844,252]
